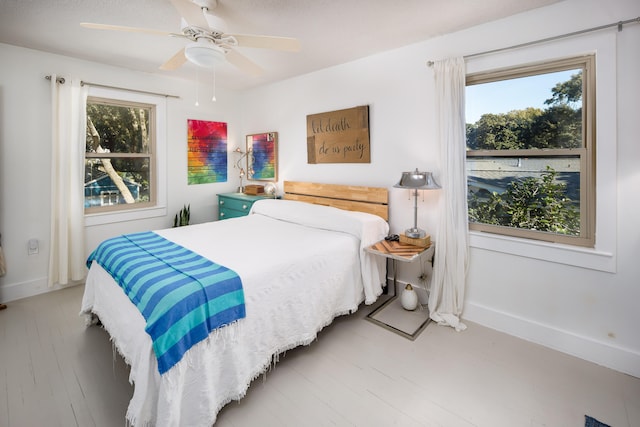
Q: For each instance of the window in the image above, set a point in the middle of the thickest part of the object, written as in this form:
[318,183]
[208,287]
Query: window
[125,156]
[530,151]
[119,155]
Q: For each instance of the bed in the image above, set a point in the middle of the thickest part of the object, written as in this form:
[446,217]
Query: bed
[301,262]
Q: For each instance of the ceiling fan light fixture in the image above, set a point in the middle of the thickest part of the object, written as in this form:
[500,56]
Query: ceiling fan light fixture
[204,54]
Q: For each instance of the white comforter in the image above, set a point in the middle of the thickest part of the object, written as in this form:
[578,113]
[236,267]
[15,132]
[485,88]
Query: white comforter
[301,265]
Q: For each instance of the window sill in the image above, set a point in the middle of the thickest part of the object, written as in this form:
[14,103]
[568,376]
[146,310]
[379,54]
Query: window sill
[121,216]
[576,256]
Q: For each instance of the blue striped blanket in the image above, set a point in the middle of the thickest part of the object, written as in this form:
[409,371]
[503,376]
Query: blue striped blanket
[182,296]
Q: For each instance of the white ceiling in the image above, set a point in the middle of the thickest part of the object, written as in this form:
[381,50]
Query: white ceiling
[331,32]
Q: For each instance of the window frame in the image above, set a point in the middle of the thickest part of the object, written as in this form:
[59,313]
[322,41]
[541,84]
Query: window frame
[602,257]
[109,155]
[157,206]
[586,152]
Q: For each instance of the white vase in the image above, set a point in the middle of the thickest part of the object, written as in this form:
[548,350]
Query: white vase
[409,298]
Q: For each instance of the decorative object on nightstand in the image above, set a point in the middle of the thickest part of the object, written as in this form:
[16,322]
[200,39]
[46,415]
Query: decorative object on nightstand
[271,190]
[423,242]
[254,190]
[242,172]
[409,298]
[415,181]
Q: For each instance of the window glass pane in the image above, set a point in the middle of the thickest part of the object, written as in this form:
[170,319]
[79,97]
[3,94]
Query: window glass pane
[530,159]
[537,193]
[542,111]
[116,181]
[117,128]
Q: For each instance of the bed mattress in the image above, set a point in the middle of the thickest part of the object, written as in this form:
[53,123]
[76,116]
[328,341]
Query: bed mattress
[301,266]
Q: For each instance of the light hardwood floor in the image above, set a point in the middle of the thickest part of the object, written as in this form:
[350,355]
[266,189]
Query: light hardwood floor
[54,371]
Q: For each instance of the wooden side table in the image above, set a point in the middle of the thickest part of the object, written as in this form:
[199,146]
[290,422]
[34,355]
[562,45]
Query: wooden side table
[403,252]
[398,251]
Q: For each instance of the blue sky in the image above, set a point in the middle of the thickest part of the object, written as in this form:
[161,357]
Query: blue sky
[500,97]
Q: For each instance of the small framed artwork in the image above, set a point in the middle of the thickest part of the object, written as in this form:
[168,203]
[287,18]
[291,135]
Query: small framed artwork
[262,162]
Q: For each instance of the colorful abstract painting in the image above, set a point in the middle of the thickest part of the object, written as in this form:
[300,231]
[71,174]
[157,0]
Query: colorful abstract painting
[264,156]
[207,151]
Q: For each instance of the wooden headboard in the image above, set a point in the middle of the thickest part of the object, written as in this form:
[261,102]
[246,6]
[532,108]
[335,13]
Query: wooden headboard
[373,200]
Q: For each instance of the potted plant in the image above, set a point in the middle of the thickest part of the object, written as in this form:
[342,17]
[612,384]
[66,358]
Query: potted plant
[182,217]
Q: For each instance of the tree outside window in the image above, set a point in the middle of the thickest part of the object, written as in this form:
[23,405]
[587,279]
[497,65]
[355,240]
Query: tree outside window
[530,162]
[119,155]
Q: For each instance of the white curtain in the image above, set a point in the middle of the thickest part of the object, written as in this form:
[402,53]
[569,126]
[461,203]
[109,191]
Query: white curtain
[452,248]
[68,123]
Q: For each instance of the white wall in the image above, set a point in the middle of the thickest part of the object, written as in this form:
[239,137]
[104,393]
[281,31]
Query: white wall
[589,312]
[586,312]
[25,129]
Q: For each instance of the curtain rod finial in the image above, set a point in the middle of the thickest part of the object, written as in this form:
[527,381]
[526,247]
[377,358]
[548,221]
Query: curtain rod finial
[60,80]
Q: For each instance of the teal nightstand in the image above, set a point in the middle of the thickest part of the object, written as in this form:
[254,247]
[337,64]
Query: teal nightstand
[234,205]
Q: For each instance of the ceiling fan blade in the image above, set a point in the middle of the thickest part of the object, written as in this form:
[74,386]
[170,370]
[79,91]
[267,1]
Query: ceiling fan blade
[127,29]
[267,42]
[243,63]
[191,12]
[175,62]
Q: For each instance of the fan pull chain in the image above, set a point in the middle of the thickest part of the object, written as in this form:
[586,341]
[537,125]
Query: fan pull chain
[213,98]
[197,103]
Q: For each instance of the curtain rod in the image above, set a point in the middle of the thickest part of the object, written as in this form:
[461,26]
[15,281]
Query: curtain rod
[61,80]
[618,24]
[83,83]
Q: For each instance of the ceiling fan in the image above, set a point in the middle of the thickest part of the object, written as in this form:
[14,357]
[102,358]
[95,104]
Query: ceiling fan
[209,43]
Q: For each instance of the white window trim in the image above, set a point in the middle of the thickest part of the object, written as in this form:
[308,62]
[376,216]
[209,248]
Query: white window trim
[160,209]
[603,256]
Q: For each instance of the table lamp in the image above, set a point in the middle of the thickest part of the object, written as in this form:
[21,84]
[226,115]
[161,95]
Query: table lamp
[242,172]
[415,181]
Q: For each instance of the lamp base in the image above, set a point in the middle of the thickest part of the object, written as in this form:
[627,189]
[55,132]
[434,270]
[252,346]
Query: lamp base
[415,233]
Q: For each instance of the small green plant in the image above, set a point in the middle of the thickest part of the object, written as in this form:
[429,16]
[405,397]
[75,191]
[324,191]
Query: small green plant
[182,217]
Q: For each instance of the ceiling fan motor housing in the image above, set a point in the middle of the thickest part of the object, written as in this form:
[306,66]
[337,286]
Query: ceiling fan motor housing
[216,24]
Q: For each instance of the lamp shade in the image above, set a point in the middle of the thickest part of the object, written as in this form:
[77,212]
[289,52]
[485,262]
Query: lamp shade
[417,180]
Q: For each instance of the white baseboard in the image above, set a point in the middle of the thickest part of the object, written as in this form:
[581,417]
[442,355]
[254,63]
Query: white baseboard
[16,291]
[604,354]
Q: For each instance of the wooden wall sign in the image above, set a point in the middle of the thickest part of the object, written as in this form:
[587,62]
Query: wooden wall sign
[340,136]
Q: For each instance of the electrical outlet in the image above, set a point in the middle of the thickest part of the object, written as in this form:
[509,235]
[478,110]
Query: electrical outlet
[33,247]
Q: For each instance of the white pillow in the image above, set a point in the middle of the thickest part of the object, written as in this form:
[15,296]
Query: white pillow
[368,228]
